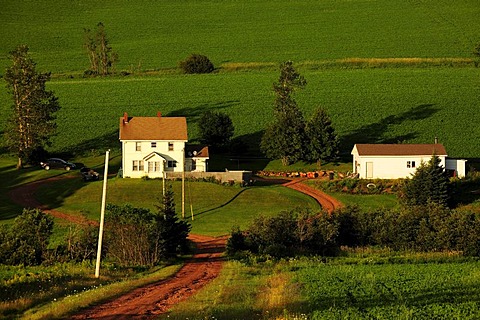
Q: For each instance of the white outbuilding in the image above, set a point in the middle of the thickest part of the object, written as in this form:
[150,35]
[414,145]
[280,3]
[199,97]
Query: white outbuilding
[394,161]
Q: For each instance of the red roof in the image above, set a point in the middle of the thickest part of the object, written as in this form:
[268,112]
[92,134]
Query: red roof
[153,128]
[400,149]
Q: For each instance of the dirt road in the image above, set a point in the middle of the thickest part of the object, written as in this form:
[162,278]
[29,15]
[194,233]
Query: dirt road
[149,301]
[327,202]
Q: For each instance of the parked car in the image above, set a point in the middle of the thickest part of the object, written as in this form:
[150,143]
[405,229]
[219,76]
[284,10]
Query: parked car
[57,163]
[89,174]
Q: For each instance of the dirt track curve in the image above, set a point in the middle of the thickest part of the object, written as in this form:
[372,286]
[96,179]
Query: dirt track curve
[327,202]
[154,299]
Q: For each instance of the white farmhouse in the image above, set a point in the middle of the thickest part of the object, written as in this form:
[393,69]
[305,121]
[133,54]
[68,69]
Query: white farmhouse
[154,145]
[393,161]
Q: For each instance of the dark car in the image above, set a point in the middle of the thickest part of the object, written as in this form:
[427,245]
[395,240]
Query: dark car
[57,163]
[89,174]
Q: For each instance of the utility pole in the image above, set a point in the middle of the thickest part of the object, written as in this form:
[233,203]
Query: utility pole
[102,216]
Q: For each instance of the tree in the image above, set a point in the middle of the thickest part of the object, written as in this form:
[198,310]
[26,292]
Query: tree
[138,236]
[99,51]
[197,63]
[171,232]
[476,52]
[321,141]
[216,129]
[32,122]
[27,240]
[284,138]
[429,184]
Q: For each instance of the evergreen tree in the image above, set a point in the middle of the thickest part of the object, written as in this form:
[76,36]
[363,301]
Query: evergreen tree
[171,232]
[32,122]
[429,184]
[321,141]
[284,138]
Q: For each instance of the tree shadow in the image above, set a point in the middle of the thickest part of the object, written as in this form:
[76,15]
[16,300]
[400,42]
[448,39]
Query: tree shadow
[93,146]
[193,113]
[204,212]
[375,132]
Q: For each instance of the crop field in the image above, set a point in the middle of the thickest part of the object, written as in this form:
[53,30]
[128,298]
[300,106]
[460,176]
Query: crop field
[369,287]
[366,105]
[150,34]
[386,71]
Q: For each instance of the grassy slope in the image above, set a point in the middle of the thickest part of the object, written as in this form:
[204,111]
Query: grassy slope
[216,208]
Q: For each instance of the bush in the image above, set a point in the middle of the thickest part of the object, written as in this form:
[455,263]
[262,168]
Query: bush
[26,241]
[196,63]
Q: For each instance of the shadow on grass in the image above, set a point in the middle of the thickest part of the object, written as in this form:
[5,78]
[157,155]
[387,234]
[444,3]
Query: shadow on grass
[93,147]
[375,132]
[224,204]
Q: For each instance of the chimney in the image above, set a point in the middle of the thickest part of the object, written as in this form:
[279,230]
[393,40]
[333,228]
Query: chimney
[436,140]
[159,114]
[125,118]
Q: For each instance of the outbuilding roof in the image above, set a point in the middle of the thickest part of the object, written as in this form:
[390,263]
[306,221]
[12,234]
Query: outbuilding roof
[400,149]
[153,128]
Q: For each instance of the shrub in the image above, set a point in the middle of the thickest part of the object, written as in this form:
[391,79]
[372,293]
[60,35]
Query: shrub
[196,63]
[27,240]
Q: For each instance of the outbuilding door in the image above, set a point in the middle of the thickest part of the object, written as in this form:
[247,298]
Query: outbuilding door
[369,173]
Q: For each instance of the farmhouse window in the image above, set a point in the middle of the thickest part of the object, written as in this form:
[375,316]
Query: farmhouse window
[170,146]
[171,164]
[154,166]
[138,146]
[410,164]
[137,165]
[153,144]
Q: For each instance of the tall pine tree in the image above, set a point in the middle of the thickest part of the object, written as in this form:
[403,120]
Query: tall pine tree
[283,139]
[32,122]
[321,141]
[429,184]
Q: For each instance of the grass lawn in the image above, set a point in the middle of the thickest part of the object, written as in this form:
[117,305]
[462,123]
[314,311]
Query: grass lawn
[216,208]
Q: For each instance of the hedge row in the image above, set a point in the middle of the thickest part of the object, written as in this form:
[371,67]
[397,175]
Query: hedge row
[427,228]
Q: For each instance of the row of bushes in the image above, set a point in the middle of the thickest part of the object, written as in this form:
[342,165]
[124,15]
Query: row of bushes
[360,186]
[422,228]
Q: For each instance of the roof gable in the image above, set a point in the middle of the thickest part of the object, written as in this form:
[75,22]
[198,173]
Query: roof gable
[153,128]
[400,149]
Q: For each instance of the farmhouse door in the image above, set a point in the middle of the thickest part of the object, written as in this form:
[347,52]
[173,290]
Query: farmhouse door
[369,172]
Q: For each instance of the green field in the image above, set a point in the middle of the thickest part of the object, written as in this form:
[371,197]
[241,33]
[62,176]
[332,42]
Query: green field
[386,71]
[366,105]
[402,101]
[152,34]
[369,287]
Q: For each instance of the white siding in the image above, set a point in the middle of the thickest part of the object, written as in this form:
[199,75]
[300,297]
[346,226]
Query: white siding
[130,154]
[390,167]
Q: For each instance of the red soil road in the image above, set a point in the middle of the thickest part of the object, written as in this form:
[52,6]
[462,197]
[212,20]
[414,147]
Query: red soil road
[154,299]
[150,301]
[327,202]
